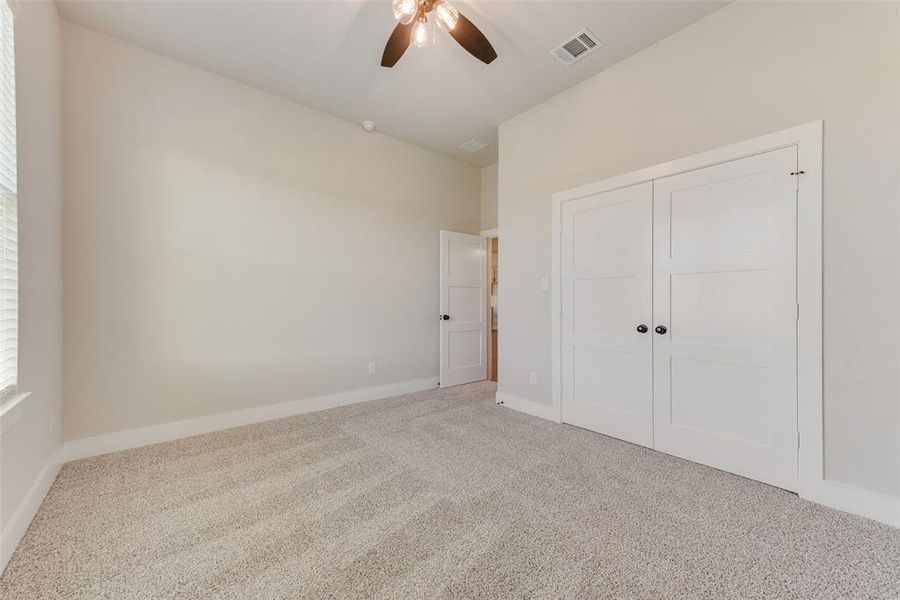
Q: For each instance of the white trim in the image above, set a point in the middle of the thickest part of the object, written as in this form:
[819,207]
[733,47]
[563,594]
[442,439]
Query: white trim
[864,503]
[808,140]
[21,519]
[11,410]
[529,407]
[809,134]
[134,438]
[490,234]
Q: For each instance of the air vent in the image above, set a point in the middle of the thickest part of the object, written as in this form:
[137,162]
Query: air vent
[577,47]
[473,146]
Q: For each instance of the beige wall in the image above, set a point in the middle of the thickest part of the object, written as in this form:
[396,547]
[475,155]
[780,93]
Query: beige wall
[31,443]
[746,70]
[226,249]
[489,197]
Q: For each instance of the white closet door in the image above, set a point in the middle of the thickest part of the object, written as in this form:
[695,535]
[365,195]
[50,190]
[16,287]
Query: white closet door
[464,305]
[725,369]
[606,295]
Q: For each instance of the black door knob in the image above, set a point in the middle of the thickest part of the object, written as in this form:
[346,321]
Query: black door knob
[642,328]
[445,317]
[660,329]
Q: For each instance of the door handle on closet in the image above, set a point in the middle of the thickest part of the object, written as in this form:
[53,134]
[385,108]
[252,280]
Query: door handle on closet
[642,328]
[444,317]
[660,329]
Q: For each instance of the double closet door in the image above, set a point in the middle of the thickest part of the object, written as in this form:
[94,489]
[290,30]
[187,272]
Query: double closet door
[679,315]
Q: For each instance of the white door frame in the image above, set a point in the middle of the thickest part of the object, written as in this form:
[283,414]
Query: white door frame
[490,234]
[808,140]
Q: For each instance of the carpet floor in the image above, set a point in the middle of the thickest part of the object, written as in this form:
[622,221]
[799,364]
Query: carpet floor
[439,494]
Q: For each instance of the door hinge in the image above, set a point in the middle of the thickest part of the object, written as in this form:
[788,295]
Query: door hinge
[797,313]
[798,440]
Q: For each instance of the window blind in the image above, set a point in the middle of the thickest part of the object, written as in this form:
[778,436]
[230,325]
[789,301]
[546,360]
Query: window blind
[9,235]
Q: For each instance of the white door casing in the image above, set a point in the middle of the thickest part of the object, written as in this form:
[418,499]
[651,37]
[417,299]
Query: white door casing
[606,280]
[464,303]
[725,370]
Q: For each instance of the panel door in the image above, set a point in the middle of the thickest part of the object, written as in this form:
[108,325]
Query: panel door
[464,303]
[606,298]
[725,368]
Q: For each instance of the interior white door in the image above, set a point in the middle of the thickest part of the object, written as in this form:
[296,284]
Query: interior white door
[606,310]
[725,316]
[464,306]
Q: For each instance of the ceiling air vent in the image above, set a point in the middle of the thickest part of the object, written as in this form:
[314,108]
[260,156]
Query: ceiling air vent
[577,47]
[473,146]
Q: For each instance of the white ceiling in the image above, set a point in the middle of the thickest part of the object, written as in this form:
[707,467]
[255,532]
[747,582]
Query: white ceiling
[327,54]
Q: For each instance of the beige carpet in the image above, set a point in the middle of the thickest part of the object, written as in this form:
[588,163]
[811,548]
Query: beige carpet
[433,495]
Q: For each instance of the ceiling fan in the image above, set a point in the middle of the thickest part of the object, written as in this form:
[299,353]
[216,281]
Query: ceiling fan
[414,27]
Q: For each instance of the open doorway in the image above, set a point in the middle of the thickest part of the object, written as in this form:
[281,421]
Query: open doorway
[494,247]
[469,302]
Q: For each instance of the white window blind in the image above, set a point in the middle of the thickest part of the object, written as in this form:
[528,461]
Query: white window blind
[9,235]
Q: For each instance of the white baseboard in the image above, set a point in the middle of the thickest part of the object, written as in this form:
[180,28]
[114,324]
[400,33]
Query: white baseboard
[134,438]
[535,409]
[864,503]
[20,521]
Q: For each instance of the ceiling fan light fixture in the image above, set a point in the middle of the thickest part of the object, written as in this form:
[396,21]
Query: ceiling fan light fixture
[405,10]
[421,32]
[446,15]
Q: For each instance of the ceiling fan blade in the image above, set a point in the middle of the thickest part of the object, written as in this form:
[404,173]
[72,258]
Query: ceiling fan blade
[471,38]
[396,44]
